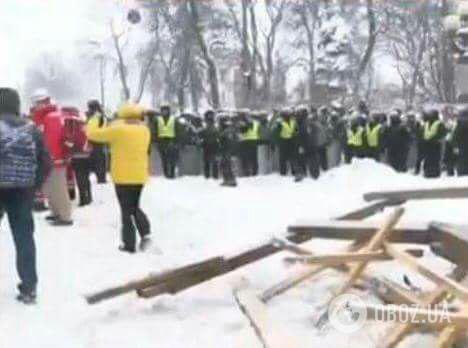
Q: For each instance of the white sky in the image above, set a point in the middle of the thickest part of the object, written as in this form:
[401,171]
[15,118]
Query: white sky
[28,27]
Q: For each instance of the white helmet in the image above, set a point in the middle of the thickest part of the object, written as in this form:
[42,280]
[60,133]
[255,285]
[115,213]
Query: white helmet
[39,95]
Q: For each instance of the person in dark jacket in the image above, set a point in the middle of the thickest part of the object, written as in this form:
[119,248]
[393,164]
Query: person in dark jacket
[98,156]
[25,165]
[415,145]
[209,136]
[322,136]
[433,135]
[460,142]
[228,142]
[397,141]
[307,157]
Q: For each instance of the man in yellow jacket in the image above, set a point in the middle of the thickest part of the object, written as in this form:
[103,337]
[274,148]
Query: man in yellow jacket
[129,141]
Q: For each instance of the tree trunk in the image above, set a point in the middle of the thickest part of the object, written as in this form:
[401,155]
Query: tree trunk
[212,73]
[371,40]
[448,67]
[122,66]
[102,79]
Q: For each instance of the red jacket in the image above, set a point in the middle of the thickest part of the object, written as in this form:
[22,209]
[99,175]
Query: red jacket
[39,114]
[54,136]
[75,135]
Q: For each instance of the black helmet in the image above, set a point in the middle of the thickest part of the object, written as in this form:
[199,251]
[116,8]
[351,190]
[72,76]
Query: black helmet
[209,114]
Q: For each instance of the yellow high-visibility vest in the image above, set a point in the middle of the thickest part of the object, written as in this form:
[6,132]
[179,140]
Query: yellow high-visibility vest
[166,130]
[430,131]
[252,133]
[356,138]
[373,135]
[288,129]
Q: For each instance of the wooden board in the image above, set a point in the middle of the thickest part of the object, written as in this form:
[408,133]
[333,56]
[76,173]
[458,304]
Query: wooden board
[148,281]
[406,195]
[267,330]
[452,242]
[351,230]
[368,210]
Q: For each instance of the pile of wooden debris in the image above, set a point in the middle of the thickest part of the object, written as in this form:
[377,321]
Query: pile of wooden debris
[372,242]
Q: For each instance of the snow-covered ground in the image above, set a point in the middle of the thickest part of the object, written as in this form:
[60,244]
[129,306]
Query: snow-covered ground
[194,219]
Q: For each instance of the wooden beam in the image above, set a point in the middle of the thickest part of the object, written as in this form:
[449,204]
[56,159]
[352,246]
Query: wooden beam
[416,233]
[452,242]
[414,264]
[267,330]
[148,281]
[449,336]
[368,210]
[341,258]
[406,195]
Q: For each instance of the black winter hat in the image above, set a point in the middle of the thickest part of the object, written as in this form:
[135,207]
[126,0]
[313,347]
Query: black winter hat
[9,101]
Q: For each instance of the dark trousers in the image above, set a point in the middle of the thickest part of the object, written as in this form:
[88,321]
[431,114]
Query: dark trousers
[227,170]
[323,157]
[287,156]
[421,154]
[397,159]
[450,159]
[18,204]
[169,155]
[432,160]
[374,153]
[308,162]
[249,158]
[82,168]
[354,152]
[99,163]
[210,163]
[132,215]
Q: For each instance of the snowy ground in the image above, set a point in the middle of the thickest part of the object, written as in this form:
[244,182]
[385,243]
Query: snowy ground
[194,219]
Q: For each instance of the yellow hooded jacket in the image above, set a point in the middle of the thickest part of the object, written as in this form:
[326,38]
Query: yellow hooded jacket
[129,143]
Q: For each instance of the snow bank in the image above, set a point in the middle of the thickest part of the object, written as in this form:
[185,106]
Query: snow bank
[194,219]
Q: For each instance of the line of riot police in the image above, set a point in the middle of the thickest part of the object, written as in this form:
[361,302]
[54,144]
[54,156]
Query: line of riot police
[307,140]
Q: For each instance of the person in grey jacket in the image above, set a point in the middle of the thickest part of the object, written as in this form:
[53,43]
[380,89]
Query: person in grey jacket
[24,165]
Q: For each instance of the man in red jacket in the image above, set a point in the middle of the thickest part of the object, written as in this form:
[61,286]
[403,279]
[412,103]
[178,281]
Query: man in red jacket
[80,151]
[51,120]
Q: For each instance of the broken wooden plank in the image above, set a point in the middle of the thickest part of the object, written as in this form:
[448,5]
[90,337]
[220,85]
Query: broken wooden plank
[449,336]
[369,210]
[415,265]
[269,333]
[186,280]
[147,281]
[415,233]
[341,258]
[450,242]
[416,194]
